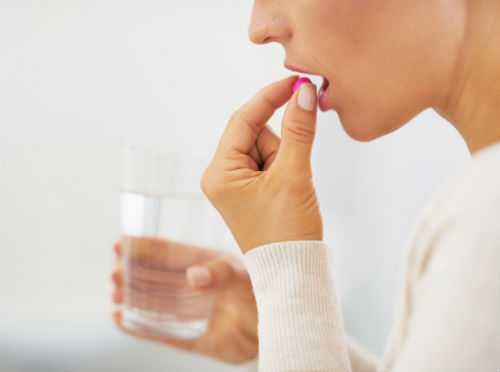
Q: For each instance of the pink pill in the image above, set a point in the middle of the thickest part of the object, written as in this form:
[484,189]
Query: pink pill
[299,82]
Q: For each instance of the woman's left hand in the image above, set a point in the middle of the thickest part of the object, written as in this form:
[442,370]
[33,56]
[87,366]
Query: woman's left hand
[261,185]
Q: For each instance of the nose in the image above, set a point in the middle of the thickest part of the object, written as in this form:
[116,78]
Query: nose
[266,26]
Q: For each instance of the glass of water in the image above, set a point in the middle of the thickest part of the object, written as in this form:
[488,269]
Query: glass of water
[165,221]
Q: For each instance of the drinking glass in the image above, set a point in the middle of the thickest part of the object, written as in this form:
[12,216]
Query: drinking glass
[165,220]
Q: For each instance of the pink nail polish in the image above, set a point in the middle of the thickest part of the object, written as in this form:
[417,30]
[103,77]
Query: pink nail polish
[299,82]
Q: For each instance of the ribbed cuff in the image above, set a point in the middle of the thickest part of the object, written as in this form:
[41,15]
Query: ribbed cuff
[306,256]
[299,323]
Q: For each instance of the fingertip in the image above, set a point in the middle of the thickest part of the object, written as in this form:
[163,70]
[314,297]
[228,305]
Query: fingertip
[117,297]
[239,268]
[116,316]
[292,79]
[117,277]
[117,248]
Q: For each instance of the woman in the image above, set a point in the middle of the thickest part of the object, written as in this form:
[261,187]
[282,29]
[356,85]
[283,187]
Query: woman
[383,62]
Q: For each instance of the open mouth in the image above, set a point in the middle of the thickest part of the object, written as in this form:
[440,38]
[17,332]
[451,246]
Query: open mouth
[324,86]
[323,101]
[323,96]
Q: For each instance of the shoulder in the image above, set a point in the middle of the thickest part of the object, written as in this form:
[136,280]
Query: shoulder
[475,189]
[461,226]
[454,273]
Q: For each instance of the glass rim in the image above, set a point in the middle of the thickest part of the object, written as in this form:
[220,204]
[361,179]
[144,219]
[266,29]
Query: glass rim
[157,170]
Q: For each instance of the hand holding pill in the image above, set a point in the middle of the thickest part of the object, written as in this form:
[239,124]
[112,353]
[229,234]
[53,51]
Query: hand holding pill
[262,185]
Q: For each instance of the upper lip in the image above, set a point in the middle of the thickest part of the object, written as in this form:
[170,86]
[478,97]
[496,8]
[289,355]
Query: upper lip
[299,69]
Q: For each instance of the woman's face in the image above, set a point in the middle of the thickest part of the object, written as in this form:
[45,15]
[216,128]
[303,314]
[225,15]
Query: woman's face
[385,60]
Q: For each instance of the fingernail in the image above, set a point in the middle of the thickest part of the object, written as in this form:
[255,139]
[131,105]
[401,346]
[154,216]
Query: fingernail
[198,275]
[238,266]
[307,97]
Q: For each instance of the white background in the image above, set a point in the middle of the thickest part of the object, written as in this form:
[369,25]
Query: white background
[78,79]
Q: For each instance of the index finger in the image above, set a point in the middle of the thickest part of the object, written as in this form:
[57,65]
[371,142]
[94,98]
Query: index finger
[247,122]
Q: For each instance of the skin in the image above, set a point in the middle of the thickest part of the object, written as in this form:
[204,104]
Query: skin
[387,61]
[232,332]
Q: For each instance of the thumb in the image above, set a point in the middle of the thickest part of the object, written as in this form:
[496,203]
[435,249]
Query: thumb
[299,127]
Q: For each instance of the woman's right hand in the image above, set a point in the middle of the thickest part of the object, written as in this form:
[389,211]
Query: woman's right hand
[232,332]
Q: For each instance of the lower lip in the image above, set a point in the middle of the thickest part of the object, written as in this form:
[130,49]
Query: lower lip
[324,99]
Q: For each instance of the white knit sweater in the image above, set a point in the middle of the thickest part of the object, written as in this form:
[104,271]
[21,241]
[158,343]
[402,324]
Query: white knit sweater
[449,309]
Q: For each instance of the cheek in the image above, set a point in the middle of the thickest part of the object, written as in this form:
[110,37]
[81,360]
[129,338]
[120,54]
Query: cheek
[361,36]
[350,38]
[350,20]
[365,47]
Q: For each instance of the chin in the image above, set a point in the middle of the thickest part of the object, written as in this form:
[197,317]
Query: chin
[360,129]
[361,135]
[363,128]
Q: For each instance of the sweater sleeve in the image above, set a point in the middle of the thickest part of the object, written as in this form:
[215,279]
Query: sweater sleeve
[300,324]
[361,359]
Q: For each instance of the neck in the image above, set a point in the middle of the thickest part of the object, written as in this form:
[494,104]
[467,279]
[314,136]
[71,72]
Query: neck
[472,102]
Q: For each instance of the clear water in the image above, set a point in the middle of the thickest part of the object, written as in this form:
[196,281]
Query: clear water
[157,298]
